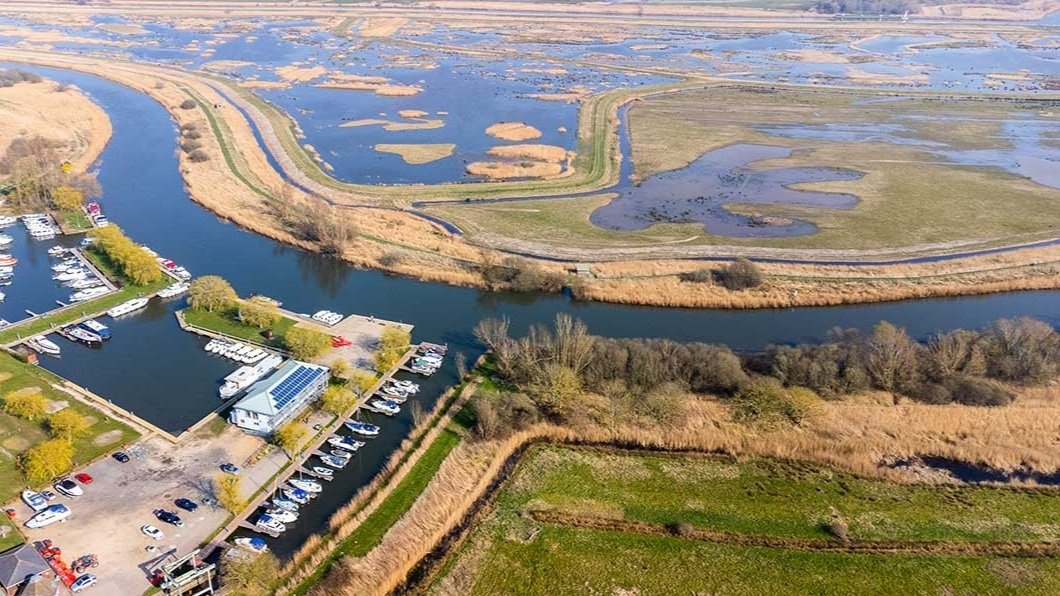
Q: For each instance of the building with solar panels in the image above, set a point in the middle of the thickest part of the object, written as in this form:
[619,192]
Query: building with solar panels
[274,400]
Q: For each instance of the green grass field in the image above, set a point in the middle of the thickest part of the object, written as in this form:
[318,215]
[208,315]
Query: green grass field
[228,324]
[510,552]
[17,435]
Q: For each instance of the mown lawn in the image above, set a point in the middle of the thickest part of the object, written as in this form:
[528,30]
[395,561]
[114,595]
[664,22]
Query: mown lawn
[226,322]
[17,435]
[9,536]
[511,553]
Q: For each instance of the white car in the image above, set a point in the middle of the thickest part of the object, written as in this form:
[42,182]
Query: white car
[152,532]
[68,487]
[84,582]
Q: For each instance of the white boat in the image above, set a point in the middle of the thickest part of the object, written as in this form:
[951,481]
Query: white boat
[386,406]
[84,284]
[285,504]
[245,376]
[43,345]
[82,335]
[334,461]
[394,391]
[362,428]
[7,220]
[127,307]
[270,525]
[34,500]
[88,294]
[173,290]
[343,442]
[70,275]
[322,471]
[406,386]
[309,486]
[50,515]
[327,317]
[182,273]
[6,240]
[253,544]
[282,515]
[298,496]
[55,251]
[342,454]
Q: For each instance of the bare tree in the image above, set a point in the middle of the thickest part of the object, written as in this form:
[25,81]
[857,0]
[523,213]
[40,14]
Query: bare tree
[891,358]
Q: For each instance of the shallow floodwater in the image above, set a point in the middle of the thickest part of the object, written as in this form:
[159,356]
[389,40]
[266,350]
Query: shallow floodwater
[700,192]
[161,373]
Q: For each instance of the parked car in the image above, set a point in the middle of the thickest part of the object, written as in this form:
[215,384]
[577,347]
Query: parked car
[84,582]
[152,532]
[68,487]
[48,495]
[169,517]
[186,504]
[83,478]
[229,468]
[121,456]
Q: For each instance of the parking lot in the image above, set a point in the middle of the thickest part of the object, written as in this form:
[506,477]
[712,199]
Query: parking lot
[106,520]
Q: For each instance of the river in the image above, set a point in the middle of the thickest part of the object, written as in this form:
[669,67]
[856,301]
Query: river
[161,373]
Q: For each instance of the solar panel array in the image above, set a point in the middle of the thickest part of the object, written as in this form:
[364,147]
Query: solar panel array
[292,385]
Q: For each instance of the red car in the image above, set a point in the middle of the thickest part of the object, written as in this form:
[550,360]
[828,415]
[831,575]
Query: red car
[83,478]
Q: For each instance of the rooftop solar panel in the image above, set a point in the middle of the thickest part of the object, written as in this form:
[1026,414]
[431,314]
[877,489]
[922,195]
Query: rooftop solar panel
[293,385]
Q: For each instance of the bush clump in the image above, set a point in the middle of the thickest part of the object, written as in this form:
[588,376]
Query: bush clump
[188,104]
[741,274]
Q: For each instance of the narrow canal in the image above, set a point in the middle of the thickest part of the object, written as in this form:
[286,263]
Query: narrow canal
[161,373]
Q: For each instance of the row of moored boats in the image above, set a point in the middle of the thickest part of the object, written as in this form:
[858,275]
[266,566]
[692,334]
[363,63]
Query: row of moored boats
[235,350]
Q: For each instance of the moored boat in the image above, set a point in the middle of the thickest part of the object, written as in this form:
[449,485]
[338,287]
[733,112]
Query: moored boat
[309,486]
[173,290]
[253,544]
[43,345]
[335,462]
[84,336]
[127,307]
[96,327]
[362,428]
[386,406]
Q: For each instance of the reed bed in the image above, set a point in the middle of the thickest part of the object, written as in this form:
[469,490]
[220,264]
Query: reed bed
[853,435]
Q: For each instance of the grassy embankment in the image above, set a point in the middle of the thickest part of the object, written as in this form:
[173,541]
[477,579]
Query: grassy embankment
[634,503]
[227,323]
[909,195]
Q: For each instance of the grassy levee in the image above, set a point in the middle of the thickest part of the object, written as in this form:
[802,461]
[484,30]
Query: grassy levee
[656,523]
[369,533]
[596,166]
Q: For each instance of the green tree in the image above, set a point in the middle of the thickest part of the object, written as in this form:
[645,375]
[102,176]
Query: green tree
[288,436]
[28,406]
[140,267]
[252,575]
[337,400]
[211,293]
[68,198]
[259,312]
[229,492]
[305,343]
[68,424]
[47,460]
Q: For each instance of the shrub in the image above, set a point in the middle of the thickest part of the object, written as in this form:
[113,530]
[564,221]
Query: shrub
[336,400]
[392,346]
[28,406]
[340,369]
[211,293]
[305,343]
[972,391]
[190,145]
[198,156]
[764,400]
[229,493]
[838,528]
[251,575]
[390,259]
[701,276]
[1023,351]
[741,274]
[288,436]
[188,104]
[682,529]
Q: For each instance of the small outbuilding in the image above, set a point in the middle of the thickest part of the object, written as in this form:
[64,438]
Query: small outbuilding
[20,567]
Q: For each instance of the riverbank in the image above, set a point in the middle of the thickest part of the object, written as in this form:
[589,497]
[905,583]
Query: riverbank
[239,181]
[60,113]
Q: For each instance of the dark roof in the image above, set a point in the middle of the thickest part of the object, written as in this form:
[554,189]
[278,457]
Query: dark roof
[19,564]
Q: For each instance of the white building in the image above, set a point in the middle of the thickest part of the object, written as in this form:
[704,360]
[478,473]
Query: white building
[274,400]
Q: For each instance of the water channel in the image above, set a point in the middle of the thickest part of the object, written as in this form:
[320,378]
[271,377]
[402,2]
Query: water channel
[162,374]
